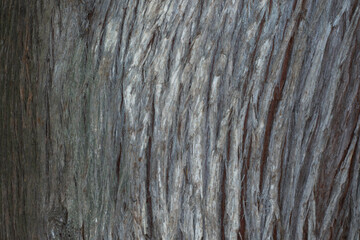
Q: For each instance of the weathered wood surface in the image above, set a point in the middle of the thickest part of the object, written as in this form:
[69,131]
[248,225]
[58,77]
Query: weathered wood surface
[180,119]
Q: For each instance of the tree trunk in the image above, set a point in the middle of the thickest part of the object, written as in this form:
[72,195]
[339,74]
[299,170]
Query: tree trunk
[180,119]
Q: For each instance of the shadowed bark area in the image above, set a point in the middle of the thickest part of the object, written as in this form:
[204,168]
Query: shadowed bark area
[203,119]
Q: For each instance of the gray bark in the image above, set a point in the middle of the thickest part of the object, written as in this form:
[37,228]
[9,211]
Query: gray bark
[206,119]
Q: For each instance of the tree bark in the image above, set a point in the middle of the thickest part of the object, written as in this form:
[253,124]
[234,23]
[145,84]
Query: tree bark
[180,119]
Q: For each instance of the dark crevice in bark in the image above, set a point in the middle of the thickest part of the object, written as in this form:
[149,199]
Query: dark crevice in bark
[274,233]
[223,202]
[269,7]
[294,5]
[48,90]
[284,148]
[151,46]
[118,164]
[277,94]
[83,231]
[305,227]
[167,172]
[148,173]
[244,173]
[170,59]
[47,145]
[267,70]
[148,190]
[228,140]
[245,127]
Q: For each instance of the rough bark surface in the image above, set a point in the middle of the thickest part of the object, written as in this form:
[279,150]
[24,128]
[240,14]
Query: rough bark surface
[206,119]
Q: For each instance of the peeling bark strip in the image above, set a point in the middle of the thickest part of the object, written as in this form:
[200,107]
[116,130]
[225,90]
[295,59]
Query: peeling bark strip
[179,119]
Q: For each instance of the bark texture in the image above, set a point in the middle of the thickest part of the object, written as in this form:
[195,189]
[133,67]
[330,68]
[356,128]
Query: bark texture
[180,119]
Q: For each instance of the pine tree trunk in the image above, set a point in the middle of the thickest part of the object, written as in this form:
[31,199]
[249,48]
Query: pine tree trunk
[189,119]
